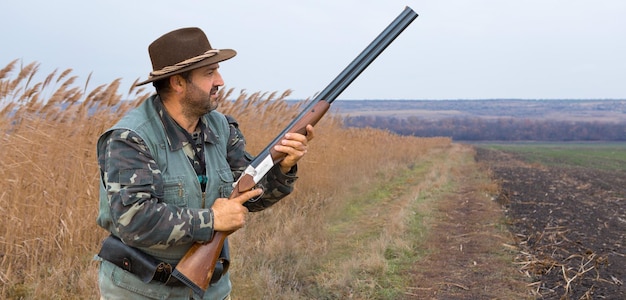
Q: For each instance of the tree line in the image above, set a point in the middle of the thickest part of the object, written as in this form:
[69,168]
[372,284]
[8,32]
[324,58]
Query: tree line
[498,129]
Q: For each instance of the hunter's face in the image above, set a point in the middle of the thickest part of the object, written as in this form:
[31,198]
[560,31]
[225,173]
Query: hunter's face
[201,92]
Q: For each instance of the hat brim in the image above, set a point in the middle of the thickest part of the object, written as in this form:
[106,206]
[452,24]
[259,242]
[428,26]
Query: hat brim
[222,55]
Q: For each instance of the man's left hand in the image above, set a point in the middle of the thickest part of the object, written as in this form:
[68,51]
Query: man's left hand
[295,145]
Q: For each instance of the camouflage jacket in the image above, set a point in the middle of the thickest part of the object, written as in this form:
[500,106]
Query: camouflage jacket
[134,210]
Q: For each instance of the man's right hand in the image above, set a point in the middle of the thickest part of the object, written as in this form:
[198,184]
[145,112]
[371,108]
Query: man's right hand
[230,214]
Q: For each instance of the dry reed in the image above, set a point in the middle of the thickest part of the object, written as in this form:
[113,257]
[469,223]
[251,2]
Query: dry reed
[50,179]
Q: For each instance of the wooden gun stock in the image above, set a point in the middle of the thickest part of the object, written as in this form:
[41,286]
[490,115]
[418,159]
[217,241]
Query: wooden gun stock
[196,268]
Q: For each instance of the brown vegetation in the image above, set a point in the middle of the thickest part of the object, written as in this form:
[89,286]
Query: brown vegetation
[49,182]
[49,186]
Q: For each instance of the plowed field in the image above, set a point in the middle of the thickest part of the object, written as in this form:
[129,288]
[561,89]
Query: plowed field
[569,224]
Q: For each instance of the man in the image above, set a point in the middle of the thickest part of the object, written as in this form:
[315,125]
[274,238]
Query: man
[167,169]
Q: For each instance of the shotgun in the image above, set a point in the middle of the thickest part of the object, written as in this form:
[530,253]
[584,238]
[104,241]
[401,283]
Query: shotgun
[196,267]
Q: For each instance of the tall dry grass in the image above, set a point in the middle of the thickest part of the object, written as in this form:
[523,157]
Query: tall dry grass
[49,181]
[49,186]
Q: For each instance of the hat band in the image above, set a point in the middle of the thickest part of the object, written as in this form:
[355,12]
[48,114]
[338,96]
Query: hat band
[184,63]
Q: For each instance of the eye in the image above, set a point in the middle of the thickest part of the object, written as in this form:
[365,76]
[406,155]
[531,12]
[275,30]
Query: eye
[210,71]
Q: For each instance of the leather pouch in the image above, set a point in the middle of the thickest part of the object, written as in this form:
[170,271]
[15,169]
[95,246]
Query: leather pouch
[130,259]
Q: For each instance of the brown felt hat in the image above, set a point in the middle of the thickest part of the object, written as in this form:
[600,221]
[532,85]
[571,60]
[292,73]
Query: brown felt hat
[182,50]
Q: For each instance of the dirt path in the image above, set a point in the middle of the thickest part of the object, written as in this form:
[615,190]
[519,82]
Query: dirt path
[470,249]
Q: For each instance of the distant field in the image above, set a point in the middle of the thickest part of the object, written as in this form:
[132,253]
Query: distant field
[405,113]
[602,156]
[588,110]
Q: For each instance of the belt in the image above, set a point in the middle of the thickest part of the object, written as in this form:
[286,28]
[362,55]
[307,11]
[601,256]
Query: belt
[135,261]
[146,267]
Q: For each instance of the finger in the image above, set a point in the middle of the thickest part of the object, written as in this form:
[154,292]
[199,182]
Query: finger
[310,133]
[292,150]
[289,146]
[241,199]
[294,136]
[295,140]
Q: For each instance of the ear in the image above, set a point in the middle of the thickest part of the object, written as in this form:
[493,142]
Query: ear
[177,83]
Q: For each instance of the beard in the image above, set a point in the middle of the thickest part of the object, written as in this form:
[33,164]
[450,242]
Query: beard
[198,102]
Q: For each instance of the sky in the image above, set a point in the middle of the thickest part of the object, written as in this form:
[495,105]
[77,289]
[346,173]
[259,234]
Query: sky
[455,49]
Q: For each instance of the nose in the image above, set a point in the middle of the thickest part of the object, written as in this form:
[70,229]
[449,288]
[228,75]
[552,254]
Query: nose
[219,81]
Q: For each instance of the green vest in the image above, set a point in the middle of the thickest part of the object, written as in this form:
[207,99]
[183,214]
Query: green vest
[181,186]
